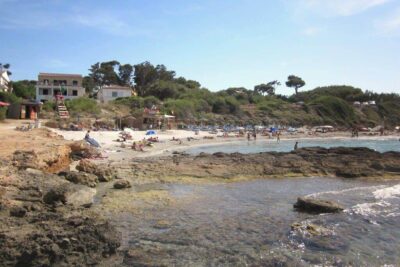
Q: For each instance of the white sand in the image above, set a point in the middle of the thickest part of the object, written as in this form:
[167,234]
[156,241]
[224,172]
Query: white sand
[116,151]
[107,138]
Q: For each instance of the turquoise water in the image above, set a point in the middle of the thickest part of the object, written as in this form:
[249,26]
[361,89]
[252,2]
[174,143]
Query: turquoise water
[288,145]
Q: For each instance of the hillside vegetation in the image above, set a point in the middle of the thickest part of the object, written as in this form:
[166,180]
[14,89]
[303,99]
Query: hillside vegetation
[192,103]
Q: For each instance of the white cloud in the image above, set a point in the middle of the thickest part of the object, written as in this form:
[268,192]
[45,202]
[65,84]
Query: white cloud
[340,7]
[112,23]
[311,31]
[391,24]
[104,22]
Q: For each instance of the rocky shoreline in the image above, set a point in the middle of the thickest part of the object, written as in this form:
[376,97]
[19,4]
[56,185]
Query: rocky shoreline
[45,213]
[305,162]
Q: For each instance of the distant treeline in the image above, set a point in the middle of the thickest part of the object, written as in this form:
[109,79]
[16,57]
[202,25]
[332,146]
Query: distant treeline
[188,100]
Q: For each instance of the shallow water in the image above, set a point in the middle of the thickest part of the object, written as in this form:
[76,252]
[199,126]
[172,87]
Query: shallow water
[288,145]
[250,223]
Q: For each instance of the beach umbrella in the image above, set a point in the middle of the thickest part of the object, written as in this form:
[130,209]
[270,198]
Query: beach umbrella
[4,104]
[151,132]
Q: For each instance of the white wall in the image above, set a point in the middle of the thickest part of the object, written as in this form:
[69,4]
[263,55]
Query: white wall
[106,95]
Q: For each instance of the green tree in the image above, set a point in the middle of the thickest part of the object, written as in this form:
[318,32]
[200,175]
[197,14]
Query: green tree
[108,70]
[268,88]
[89,84]
[164,89]
[95,74]
[24,89]
[295,82]
[145,74]
[150,101]
[125,74]
[164,74]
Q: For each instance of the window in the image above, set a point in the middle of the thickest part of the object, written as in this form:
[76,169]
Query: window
[114,94]
[75,92]
[55,82]
[74,83]
[64,92]
[45,81]
[45,91]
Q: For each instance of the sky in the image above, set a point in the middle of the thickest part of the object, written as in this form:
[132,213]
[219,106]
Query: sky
[220,43]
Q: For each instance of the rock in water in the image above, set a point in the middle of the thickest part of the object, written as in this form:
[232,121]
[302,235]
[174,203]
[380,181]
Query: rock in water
[83,178]
[317,206]
[121,184]
[76,195]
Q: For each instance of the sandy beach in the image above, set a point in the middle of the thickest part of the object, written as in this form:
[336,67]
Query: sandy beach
[121,151]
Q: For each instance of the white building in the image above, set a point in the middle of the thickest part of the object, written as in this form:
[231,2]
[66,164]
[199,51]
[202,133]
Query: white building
[111,92]
[52,84]
[4,81]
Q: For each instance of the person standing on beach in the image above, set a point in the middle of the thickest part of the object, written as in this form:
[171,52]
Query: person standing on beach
[278,136]
[248,136]
[296,145]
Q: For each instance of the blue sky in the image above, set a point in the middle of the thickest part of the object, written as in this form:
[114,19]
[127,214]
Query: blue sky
[220,43]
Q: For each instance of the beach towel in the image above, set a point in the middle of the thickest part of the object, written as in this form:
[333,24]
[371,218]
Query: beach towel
[92,142]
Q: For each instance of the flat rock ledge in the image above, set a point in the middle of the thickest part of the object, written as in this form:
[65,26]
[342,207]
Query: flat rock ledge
[317,206]
[305,162]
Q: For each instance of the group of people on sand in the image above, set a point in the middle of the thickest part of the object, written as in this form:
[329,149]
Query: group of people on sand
[137,146]
[254,135]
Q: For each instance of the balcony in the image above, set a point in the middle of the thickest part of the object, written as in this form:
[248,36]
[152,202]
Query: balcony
[43,84]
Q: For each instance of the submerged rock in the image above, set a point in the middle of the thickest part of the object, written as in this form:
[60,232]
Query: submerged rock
[317,206]
[121,184]
[310,228]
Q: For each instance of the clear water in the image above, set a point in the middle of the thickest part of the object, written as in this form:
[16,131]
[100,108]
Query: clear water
[249,223]
[288,145]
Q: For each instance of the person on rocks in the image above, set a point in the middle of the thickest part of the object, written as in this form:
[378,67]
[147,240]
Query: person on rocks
[87,135]
[296,145]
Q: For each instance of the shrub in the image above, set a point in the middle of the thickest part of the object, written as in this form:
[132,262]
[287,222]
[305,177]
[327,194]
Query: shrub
[49,106]
[334,110]
[132,102]
[83,105]
[150,101]
[3,112]
[181,108]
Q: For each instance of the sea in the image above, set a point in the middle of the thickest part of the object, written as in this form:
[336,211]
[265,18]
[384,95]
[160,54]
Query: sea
[250,223]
